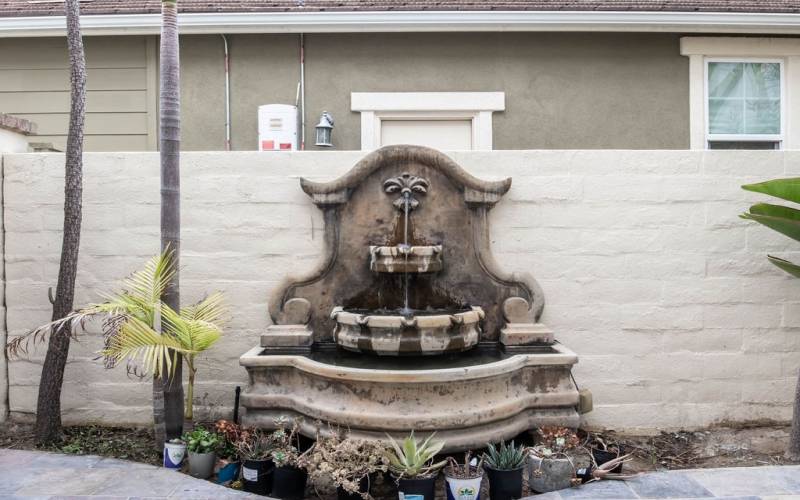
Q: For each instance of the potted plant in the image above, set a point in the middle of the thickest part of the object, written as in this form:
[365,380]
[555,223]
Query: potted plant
[347,463]
[463,480]
[551,466]
[603,452]
[254,448]
[227,467]
[504,465]
[289,480]
[411,465]
[174,451]
[202,446]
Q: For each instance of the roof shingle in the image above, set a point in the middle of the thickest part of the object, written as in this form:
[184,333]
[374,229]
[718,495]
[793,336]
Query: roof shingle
[16,8]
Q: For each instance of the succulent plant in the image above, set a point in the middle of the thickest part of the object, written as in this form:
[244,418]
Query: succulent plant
[201,440]
[505,456]
[413,458]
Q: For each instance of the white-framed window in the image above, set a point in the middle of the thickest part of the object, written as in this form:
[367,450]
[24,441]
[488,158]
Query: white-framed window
[443,120]
[742,92]
[744,103]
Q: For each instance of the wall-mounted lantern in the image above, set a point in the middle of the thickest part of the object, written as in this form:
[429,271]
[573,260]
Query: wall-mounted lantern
[324,129]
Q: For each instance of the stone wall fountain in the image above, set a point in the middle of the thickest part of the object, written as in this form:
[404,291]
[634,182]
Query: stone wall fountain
[408,322]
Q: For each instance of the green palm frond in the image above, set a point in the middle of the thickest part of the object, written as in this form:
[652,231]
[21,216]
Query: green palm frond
[137,342]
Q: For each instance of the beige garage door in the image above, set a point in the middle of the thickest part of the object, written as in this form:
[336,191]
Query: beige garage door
[438,134]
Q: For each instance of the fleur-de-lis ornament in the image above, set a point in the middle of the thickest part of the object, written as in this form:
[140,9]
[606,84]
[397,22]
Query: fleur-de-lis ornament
[407,185]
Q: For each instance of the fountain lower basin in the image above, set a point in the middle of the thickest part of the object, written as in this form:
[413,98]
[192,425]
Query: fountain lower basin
[400,335]
[469,399]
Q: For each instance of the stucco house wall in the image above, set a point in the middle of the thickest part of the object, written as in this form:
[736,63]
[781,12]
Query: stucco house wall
[648,273]
[563,90]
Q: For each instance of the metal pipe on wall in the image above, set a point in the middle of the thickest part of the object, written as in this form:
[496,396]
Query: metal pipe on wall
[227,95]
[302,92]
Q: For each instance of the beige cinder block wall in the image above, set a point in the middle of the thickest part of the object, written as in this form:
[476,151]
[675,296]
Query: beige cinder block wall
[563,90]
[648,273]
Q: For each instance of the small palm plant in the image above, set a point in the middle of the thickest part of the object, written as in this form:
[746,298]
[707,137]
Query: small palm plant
[140,330]
[785,220]
[413,458]
[506,456]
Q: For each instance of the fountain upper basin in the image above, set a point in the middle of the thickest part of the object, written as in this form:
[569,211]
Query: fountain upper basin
[401,335]
[405,259]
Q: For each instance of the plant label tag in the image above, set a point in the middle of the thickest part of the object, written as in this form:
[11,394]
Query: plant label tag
[249,474]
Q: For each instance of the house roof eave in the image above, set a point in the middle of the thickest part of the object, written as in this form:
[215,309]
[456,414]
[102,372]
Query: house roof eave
[413,21]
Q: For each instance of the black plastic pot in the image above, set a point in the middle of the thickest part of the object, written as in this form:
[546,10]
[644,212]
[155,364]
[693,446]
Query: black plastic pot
[425,486]
[363,487]
[289,483]
[603,456]
[505,484]
[257,476]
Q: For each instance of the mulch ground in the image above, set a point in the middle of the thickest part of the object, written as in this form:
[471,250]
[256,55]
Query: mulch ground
[741,446]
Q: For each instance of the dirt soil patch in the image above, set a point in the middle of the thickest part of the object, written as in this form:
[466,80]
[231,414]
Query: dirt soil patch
[740,446]
[116,442]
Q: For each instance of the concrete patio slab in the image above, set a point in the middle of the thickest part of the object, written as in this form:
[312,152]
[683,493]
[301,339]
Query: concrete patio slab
[734,483]
[41,475]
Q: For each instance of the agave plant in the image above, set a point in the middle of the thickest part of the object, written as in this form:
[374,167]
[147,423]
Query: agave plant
[413,458]
[142,331]
[785,220]
[505,456]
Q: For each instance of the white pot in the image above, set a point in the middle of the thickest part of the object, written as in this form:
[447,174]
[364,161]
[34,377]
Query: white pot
[463,489]
[173,455]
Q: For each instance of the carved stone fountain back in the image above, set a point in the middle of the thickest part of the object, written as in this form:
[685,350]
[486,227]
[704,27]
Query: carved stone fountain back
[360,213]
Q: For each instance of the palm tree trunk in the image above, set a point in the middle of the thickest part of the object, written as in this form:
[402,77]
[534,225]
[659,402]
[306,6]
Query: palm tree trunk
[168,393]
[48,408]
[793,452]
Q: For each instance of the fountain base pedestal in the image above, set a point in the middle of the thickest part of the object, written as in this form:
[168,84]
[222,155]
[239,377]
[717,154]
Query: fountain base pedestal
[468,400]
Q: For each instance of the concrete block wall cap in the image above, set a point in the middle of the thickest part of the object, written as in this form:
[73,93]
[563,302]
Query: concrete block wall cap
[562,356]
[398,154]
[17,124]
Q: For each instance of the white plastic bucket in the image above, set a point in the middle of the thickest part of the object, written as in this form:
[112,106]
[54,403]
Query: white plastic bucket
[173,455]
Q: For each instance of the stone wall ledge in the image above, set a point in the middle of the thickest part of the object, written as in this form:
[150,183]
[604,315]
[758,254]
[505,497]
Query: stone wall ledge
[17,124]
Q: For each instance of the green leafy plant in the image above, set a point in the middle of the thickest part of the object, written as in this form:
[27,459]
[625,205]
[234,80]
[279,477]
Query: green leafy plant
[413,458]
[141,330]
[785,220]
[505,456]
[202,441]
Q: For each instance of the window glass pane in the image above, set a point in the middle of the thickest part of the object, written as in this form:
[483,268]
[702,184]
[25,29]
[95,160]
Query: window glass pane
[762,116]
[725,79]
[725,116]
[763,80]
[744,98]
